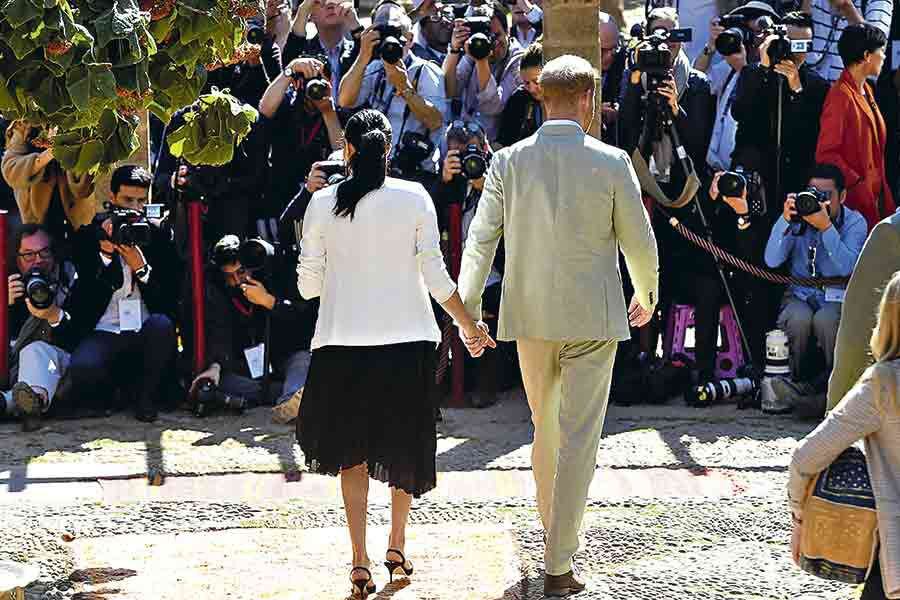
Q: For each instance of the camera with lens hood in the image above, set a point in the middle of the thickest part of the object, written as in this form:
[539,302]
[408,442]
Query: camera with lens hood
[474,162]
[390,45]
[809,202]
[735,36]
[481,38]
[39,289]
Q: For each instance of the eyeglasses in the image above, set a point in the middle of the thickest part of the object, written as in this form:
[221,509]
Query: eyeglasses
[44,253]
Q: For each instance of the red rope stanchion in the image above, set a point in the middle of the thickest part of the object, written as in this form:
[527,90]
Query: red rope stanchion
[198,292]
[457,381]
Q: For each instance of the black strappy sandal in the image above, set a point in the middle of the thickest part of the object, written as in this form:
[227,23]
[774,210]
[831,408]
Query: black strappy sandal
[362,587]
[398,568]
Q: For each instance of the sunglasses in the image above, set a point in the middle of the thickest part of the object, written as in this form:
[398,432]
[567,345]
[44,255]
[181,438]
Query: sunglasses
[460,128]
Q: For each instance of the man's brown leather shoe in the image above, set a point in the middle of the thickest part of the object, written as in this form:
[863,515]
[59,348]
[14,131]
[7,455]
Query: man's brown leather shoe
[558,586]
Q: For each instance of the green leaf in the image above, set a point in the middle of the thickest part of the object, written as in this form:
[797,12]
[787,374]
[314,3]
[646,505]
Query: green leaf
[19,12]
[91,84]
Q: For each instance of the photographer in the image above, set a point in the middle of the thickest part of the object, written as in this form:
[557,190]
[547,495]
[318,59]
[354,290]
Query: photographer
[480,85]
[613,60]
[337,36]
[406,89]
[45,193]
[818,237]
[248,79]
[432,37]
[301,126]
[755,109]
[241,298]
[528,22]
[834,16]
[133,295]
[45,320]
[524,113]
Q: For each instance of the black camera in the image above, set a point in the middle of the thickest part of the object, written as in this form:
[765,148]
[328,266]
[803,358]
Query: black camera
[410,152]
[256,33]
[481,38]
[390,46]
[474,162]
[39,289]
[335,171]
[129,227]
[256,254]
[784,48]
[316,88]
[732,184]
[208,397]
[460,10]
[735,36]
[809,202]
[654,57]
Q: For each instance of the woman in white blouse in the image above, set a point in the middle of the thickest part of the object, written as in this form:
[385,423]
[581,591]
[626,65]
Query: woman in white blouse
[870,411]
[370,250]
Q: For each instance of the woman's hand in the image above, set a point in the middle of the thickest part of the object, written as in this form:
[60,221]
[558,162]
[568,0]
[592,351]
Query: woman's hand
[477,337]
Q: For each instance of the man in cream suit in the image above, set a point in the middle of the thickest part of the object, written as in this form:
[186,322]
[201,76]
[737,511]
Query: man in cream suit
[565,204]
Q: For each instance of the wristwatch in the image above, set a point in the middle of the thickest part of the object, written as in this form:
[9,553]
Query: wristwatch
[143,273]
[450,50]
[288,72]
[743,221]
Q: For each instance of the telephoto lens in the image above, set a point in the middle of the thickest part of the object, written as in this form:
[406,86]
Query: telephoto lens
[717,391]
[732,184]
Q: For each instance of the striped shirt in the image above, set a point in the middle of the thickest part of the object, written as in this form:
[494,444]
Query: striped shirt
[828,28]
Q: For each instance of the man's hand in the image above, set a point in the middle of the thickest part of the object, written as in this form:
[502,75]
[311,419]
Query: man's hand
[213,373]
[764,51]
[256,293]
[106,246]
[821,220]
[307,67]
[396,75]
[326,105]
[638,316]
[738,204]
[16,288]
[609,111]
[668,91]
[476,337]
[791,72]
[316,180]
[133,256]
[790,208]
[460,34]
[347,12]
[452,166]
[308,6]
[51,314]
[368,40]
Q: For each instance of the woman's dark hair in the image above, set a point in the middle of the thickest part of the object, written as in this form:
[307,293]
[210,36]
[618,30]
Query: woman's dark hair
[533,57]
[858,39]
[370,133]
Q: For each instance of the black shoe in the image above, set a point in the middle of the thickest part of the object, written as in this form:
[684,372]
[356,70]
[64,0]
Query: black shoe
[146,417]
[30,404]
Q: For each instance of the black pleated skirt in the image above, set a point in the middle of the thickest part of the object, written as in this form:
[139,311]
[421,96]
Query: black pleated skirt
[373,405]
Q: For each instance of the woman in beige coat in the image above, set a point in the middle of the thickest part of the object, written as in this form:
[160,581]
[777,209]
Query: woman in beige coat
[45,193]
[870,410]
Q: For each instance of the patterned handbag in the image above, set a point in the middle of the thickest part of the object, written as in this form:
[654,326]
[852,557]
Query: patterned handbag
[839,534]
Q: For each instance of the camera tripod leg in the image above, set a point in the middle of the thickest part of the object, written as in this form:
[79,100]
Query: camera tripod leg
[688,167]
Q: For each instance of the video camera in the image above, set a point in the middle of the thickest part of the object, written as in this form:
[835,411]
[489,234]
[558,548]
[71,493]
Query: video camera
[39,289]
[481,38]
[784,48]
[412,149]
[390,46]
[809,202]
[130,227]
[654,57]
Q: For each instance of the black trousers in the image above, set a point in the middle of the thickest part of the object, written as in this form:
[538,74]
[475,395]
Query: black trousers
[874,588]
[135,360]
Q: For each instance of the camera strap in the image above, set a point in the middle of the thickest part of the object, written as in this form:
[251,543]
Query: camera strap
[407,110]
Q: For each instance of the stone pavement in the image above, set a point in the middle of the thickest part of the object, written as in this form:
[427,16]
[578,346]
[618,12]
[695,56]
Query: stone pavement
[686,504]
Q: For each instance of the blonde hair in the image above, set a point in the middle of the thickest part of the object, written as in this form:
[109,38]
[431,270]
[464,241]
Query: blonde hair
[566,78]
[885,343]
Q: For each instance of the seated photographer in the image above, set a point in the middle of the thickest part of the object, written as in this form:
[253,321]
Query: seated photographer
[45,193]
[301,126]
[46,322]
[818,237]
[134,274]
[432,36]
[481,79]
[650,99]
[246,286]
[755,108]
[337,36]
[406,89]
[468,156]
[528,22]
[524,113]
[613,58]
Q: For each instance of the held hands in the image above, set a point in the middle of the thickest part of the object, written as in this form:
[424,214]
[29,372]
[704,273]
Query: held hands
[476,338]
[214,373]
[256,293]
[738,205]
[638,316]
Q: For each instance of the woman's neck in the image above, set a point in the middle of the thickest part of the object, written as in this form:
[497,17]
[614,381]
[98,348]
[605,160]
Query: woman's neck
[857,72]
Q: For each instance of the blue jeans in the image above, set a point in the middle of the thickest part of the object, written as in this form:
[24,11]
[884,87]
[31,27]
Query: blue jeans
[103,361]
[295,369]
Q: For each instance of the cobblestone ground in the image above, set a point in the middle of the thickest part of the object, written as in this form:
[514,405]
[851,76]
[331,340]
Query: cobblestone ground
[647,541]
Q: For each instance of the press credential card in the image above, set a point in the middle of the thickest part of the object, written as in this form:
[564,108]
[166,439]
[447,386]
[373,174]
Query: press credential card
[130,315]
[834,295]
[255,359]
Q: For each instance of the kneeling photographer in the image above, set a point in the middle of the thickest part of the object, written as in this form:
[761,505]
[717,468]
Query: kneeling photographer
[251,294]
[133,271]
[409,91]
[817,236]
[46,322]
[468,156]
[777,106]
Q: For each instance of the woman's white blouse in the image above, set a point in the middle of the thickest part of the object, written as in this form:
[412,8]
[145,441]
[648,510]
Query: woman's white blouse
[374,273]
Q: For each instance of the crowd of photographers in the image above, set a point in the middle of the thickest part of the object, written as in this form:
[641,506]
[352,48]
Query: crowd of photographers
[758,132]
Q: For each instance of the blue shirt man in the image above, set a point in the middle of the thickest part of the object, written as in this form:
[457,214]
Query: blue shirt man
[827,246]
